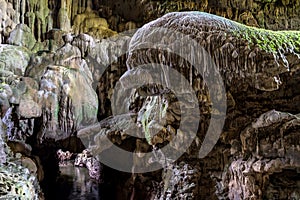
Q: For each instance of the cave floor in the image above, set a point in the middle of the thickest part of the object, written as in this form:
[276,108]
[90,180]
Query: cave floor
[74,183]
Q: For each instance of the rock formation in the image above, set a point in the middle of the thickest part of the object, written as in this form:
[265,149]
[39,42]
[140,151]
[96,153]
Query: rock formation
[253,145]
[208,107]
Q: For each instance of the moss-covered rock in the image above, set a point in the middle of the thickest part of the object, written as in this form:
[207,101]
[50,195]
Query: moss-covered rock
[239,51]
[258,68]
[88,22]
[271,41]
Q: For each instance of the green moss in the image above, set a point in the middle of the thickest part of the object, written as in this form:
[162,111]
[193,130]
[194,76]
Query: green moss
[147,116]
[145,124]
[155,110]
[268,40]
[163,110]
[56,112]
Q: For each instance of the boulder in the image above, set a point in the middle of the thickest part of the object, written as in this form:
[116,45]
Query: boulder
[22,36]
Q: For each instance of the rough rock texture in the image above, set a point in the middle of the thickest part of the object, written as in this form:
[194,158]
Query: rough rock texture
[14,59]
[257,143]
[17,182]
[19,174]
[3,147]
[103,18]
[63,156]
[270,14]
[274,142]
[91,163]
[64,70]
[7,23]
[48,95]
[275,153]
[22,36]
[49,92]
[180,182]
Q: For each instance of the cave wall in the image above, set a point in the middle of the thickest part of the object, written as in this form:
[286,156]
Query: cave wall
[270,14]
[83,15]
[61,60]
[253,145]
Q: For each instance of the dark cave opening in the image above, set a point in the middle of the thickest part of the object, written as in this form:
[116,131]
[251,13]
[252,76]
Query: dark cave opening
[284,185]
[52,185]
[73,182]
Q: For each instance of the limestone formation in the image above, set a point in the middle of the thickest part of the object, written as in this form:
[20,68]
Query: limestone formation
[256,143]
[85,159]
[2,145]
[7,23]
[71,79]
[13,59]
[18,183]
[19,173]
[267,155]
[89,22]
[62,156]
[22,36]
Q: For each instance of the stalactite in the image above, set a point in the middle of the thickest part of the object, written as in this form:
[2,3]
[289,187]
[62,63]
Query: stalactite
[31,15]
[75,10]
[50,20]
[23,10]
[31,20]
[69,4]
[80,6]
[39,30]
[42,13]
[17,7]
[64,20]
[84,5]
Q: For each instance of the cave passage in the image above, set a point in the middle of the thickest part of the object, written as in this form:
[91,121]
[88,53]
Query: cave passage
[75,183]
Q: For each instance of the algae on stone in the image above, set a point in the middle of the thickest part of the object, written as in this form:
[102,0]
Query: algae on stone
[271,41]
[152,117]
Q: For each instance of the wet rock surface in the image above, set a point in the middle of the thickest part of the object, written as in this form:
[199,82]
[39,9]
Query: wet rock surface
[75,183]
[229,169]
[237,167]
[20,173]
[65,69]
